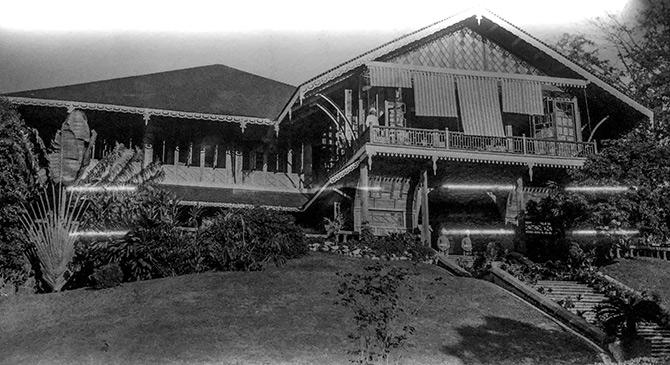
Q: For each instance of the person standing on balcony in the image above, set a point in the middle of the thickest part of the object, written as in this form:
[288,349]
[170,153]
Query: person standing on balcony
[371,119]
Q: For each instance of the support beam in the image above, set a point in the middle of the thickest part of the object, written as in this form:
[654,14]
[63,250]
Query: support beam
[425,216]
[364,191]
[147,143]
[202,161]
[307,161]
[520,245]
[416,206]
[230,176]
[238,167]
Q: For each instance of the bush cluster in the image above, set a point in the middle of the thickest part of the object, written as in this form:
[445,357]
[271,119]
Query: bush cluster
[392,245]
[248,239]
[238,240]
[401,244]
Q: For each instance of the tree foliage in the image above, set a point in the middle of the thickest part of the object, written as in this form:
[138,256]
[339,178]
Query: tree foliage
[640,159]
[21,178]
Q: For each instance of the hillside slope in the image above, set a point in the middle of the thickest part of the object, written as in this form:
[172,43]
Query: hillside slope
[277,316]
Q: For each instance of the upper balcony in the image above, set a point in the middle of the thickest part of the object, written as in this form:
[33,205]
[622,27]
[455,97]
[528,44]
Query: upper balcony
[460,146]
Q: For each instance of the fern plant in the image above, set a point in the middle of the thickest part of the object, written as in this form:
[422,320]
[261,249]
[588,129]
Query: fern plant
[621,314]
[50,226]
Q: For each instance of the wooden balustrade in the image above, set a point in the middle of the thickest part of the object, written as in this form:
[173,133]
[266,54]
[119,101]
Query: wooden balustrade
[434,138]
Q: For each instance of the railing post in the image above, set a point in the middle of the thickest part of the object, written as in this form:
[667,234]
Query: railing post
[524,143]
[446,138]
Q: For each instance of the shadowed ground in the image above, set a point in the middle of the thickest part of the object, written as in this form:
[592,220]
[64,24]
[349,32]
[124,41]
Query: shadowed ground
[277,316]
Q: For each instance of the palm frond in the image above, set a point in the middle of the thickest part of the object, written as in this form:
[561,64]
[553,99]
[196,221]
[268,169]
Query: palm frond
[124,161]
[49,226]
[153,172]
[98,172]
[130,167]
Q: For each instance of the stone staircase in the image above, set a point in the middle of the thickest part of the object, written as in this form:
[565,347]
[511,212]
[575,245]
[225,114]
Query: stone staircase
[584,301]
[658,337]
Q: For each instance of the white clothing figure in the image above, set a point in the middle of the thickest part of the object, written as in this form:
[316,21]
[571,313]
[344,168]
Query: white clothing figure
[466,244]
[444,244]
[371,119]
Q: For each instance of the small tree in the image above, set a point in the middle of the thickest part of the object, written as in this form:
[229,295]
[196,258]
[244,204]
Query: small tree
[383,303]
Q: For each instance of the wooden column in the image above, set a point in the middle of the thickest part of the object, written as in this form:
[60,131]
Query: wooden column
[307,161]
[229,166]
[289,161]
[238,167]
[425,217]
[364,190]
[147,142]
[252,160]
[265,161]
[521,220]
[202,161]
[416,206]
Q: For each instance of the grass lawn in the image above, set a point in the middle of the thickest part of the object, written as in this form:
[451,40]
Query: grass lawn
[642,273]
[277,316]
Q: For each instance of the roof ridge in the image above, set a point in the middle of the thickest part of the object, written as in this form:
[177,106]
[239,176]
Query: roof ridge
[376,49]
[149,74]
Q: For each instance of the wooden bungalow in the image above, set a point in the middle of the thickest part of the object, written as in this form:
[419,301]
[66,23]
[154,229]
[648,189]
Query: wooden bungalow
[384,138]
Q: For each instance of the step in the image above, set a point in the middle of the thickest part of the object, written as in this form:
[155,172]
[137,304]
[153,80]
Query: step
[583,298]
[562,285]
[583,295]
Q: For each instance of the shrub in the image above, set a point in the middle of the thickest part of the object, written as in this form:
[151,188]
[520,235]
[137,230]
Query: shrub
[107,276]
[148,206]
[155,248]
[150,253]
[333,226]
[247,239]
[150,214]
[394,245]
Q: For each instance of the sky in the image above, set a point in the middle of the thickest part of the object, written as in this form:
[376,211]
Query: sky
[54,43]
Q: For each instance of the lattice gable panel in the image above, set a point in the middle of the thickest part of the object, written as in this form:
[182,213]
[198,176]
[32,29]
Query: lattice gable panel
[468,50]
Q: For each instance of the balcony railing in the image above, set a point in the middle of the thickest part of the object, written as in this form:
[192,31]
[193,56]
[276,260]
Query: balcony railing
[444,139]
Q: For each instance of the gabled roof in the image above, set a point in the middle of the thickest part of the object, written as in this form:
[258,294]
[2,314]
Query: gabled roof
[213,89]
[514,37]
